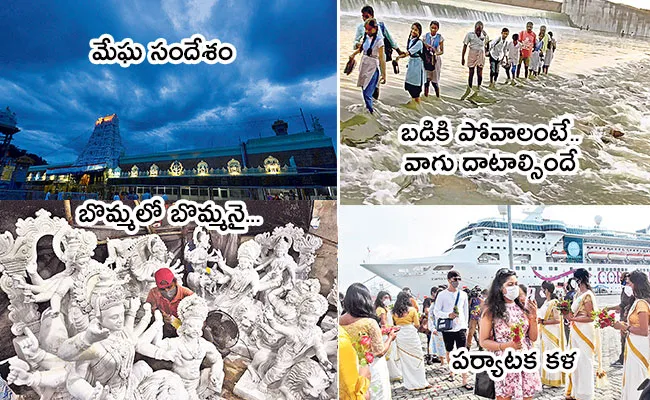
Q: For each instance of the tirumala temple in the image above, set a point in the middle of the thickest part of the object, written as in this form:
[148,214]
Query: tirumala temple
[298,165]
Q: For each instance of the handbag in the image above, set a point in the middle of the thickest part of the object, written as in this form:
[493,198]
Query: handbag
[484,386]
[349,66]
[447,324]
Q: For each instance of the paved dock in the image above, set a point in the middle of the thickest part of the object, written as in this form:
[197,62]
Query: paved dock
[443,389]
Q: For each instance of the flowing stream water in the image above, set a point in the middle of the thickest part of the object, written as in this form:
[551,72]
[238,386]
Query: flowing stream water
[601,79]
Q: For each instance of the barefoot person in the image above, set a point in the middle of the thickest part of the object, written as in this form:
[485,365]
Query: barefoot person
[549,53]
[497,54]
[415,68]
[476,58]
[513,52]
[367,12]
[435,43]
[373,62]
[528,40]
[544,39]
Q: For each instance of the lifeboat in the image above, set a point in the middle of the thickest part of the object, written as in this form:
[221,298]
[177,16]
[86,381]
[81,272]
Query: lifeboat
[597,255]
[559,255]
[617,256]
[635,257]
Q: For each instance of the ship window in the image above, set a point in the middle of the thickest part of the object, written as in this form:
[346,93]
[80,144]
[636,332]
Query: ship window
[517,268]
[540,268]
[523,268]
[478,247]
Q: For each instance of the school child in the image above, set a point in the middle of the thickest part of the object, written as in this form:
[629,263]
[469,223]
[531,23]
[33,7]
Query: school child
[497,54]
[513,52]
[434,43]
[415,67]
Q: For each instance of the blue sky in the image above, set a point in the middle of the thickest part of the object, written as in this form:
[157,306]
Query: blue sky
[286,59]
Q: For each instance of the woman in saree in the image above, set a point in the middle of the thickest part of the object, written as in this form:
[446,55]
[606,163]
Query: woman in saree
[552,335]
[360,320]
[586,337]
[382,302]
[354,381]
[637,343]
[409,346]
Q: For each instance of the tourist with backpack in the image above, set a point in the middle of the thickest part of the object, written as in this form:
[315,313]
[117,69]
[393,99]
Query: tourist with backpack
[415,69]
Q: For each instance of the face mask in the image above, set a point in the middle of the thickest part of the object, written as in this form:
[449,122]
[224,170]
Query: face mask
[628,291]
[542,295]
[512,293]
[455,284]
[386,302]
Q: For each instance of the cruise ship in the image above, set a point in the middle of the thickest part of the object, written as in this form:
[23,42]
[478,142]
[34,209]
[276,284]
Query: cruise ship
[542,250]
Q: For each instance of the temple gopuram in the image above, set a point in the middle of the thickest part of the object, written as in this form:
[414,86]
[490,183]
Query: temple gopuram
[293,166]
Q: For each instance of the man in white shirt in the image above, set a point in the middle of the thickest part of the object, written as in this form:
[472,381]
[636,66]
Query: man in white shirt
[476,57]
[453,303]
[512,52]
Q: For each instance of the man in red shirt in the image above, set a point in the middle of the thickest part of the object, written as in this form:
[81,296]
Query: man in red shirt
[165,297]
[528,40]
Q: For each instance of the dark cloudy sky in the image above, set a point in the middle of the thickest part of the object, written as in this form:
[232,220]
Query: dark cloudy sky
[286,59]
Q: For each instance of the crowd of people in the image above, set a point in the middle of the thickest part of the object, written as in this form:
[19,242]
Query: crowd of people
[528,51]
[455,316]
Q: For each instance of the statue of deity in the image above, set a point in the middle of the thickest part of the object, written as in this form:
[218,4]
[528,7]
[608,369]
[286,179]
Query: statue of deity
[138,259]
[103,354]
[189,349]
[66,291]
[299,340]
[243,282]
[43,371]
[279,262]
[204,280]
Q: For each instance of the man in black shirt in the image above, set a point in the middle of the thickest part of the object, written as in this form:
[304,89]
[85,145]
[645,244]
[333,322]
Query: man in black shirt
[627,299]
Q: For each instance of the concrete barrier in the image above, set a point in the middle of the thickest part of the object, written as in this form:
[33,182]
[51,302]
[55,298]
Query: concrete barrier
[546,5]
[601,15]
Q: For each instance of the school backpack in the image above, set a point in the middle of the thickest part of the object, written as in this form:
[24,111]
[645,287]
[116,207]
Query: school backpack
[427,57]
[388,46]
